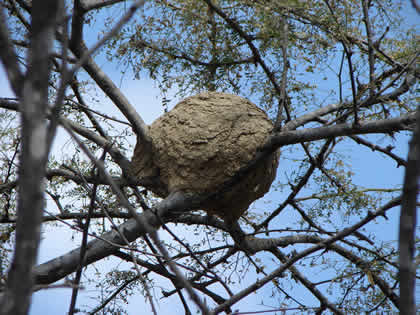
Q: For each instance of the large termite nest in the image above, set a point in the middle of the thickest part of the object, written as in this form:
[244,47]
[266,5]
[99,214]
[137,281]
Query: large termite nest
[201,143]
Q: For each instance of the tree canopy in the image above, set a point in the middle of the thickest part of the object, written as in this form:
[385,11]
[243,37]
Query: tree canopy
[338,79]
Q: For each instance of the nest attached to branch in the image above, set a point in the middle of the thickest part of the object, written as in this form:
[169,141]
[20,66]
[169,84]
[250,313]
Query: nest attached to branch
[201,143]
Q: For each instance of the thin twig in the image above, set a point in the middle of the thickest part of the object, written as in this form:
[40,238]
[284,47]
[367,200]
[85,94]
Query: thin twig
[283,95]
[255,52]
[197,300]
[371,55]
[324,244]
[84,243]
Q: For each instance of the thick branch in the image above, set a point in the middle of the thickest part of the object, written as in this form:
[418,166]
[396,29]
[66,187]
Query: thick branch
[8,57]
[408,220]
[17,296]
[62,266]
[100,249]
[312,134]
[376,99]
[89,5]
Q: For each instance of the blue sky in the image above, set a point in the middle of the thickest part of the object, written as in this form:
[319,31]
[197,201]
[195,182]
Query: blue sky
[370,171]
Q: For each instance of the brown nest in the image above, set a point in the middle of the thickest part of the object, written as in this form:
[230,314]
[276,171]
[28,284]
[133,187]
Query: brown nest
[201,143]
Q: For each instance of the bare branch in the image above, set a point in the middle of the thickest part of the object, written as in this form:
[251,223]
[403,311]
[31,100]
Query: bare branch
[89,5]
[113,295]
[224,246]
[371,55]
[180,277]
[60,267]
[9,58]
[408,221]
[16,298]
[283,83]
[379,97]
[310,286]
[104,82]
[255,52]
[311,134]
[84,243]
[160,270]
[185,56]
[375,147]
[296,189]
[416,5]
[83,131]
[276,273]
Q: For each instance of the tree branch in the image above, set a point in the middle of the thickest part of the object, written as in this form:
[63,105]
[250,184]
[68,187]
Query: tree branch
[408,221]
[9,58]
[89,5]
[62,266]
[324,244]
[104,82]
[311,134]
[255,52]
[17,296]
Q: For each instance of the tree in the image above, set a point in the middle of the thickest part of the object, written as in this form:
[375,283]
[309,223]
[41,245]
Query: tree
[332,75]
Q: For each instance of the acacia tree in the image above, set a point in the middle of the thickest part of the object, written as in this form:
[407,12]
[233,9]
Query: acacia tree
[331,75]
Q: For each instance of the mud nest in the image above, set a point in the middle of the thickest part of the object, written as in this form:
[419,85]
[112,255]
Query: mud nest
[201,143]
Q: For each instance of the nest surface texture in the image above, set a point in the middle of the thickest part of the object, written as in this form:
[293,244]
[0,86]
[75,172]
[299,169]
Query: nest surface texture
[201,143]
